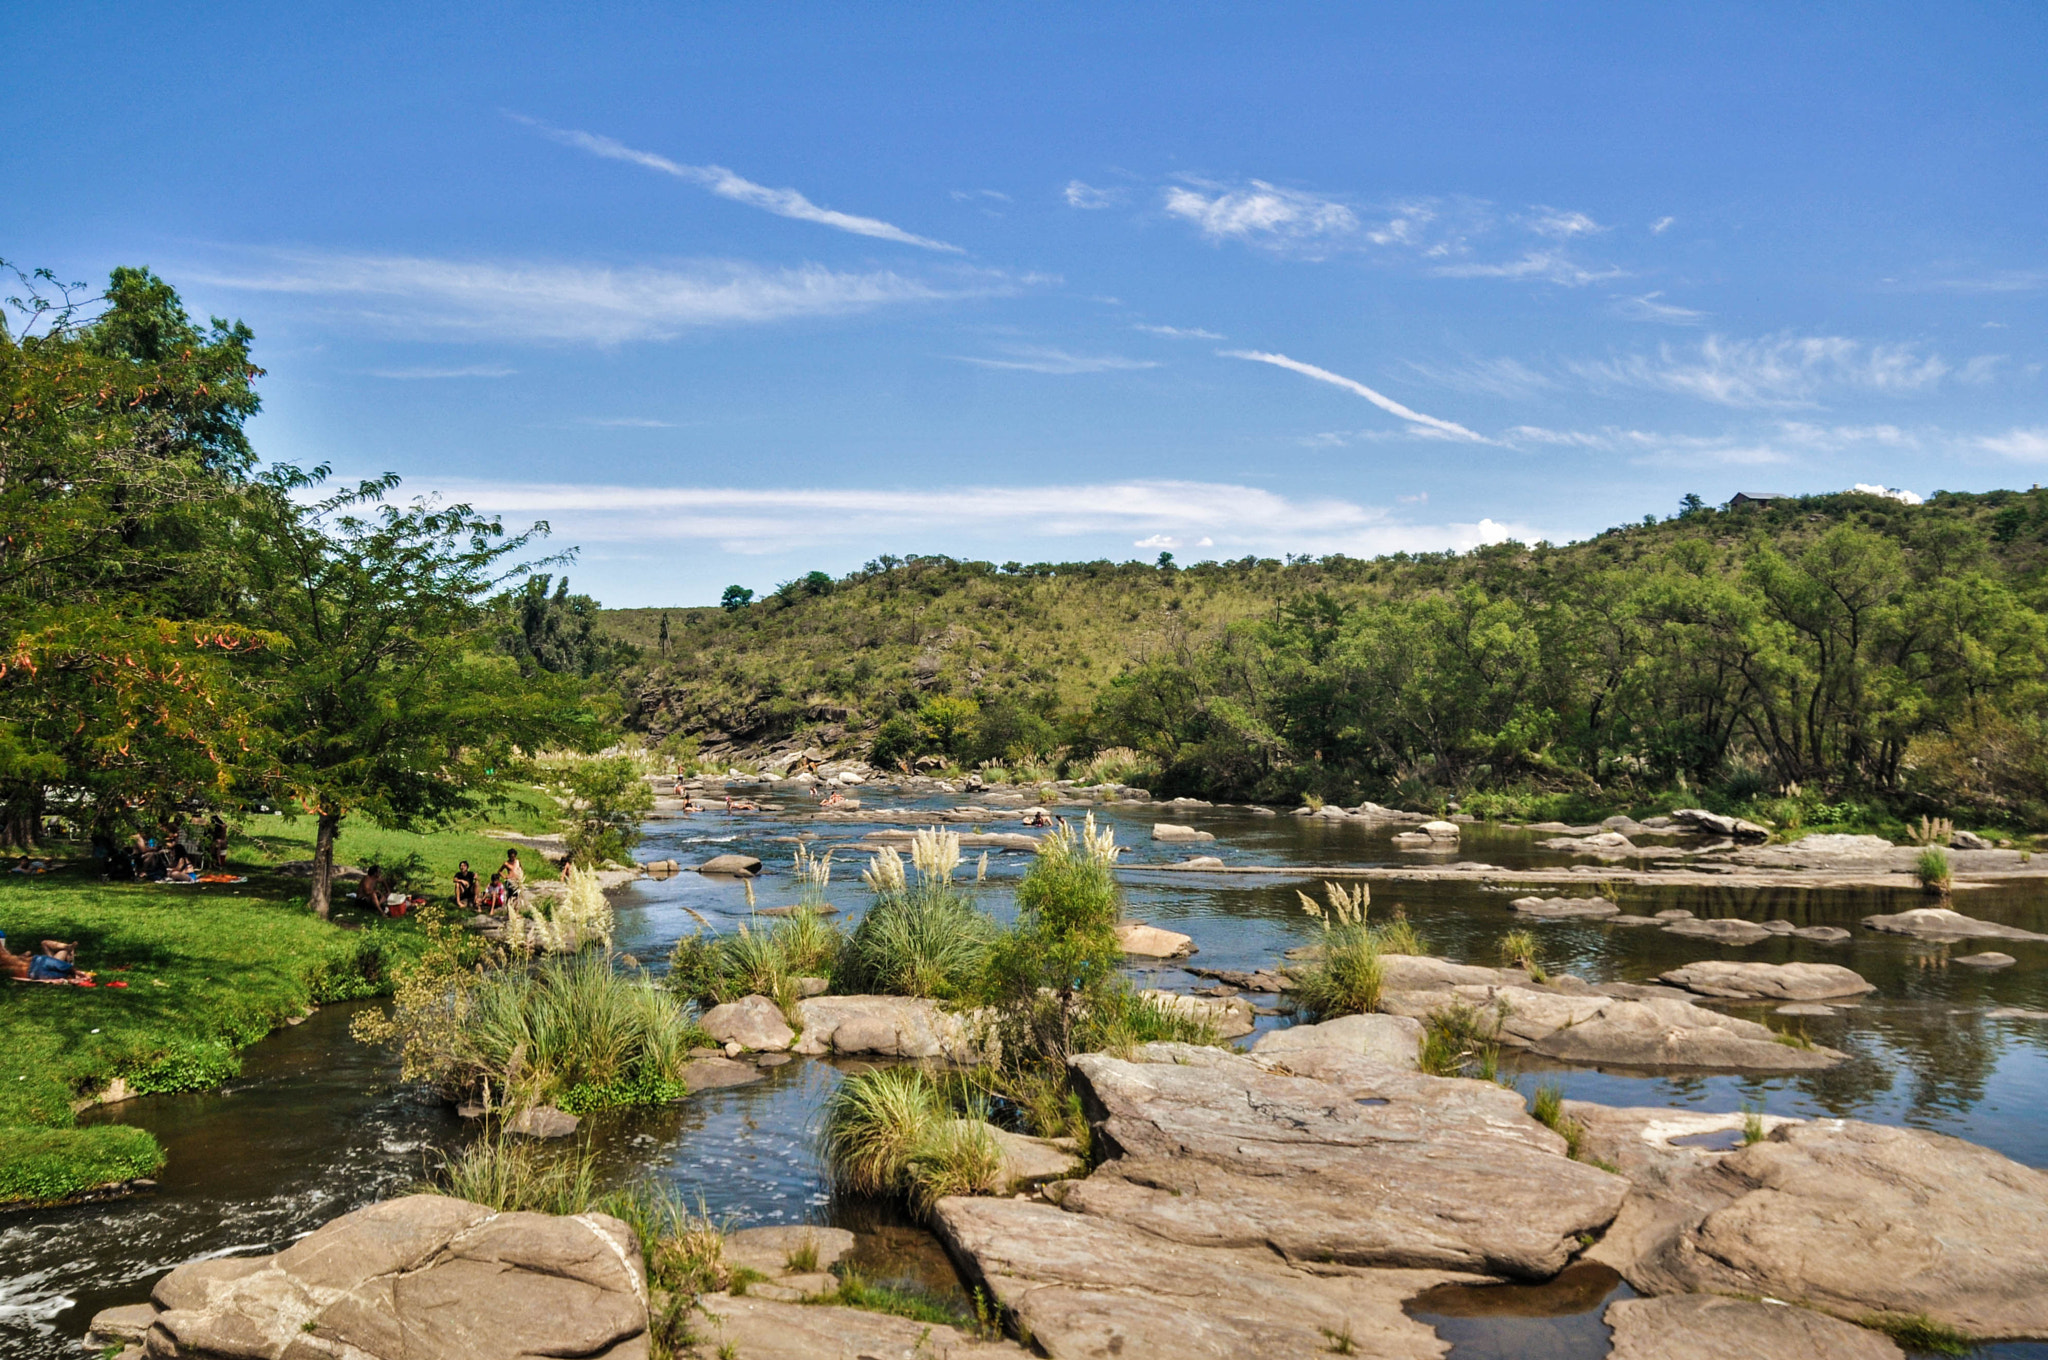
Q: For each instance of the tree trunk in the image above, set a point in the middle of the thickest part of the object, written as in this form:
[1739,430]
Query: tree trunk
[323,861]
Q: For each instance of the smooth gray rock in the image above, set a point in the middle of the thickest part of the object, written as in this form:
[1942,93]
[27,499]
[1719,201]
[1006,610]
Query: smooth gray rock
[1230,1017]
[2015,1013]
[1564,908]
[1969,840]
[1724,930]
[422,1276]
[1674,914]
[1394,1040]
[1990,958]
[1821,934]
[542,1121]
[1768,981]
[1705,1327]
[1169,831]
[1670,1035]
[737,866]
[711,1074]
[887,1026]
[1939,923]
[1812,1009]
[119,1326]
[1151,942]
[1337,1159]
[1713,823]
[752,1022]
[1028,1161]
[768,1249]
[757,1328]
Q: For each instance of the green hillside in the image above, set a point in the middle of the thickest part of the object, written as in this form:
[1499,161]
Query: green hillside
[1836,645]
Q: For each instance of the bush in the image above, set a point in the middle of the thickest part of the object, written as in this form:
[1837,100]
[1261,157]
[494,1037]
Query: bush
[606,800]
[578,918]
[1061,960]
[901,1131]
[1932,869]
[1462,1040]
[1399,936]
[199,1066]
[1518,950]
[1343,977]
[922,937]
[756,960]
[517,1175]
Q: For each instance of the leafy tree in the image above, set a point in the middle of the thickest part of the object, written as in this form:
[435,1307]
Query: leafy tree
[387,697]
[607,799]
[559,632]
[735,599]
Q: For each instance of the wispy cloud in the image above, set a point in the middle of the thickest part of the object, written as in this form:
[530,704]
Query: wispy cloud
[1780,370]
[1647,307]
[1993,281]
[1384,402]
[1501,377]
[1045,359]
[726,184]
[1203,514]
[464,299]
[1177,332]
[1087,196]
[1777,443]
[1551,266]
[428,372]
[1263,215]
[1561,224]
[2028,445]
[1661,225]
[970,195]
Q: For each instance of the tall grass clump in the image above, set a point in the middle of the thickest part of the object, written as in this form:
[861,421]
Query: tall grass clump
[900,1131]
[1460,1040]
[512,1175]
[763,958]
[579,917]
[1920,1334]
[1343,977]
[1547,1108]
[1399,936]
[1518,950]
[923,936]
[1932,869]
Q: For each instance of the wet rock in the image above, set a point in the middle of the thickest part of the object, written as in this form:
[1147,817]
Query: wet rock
[769,1250]
[1990,958]
[1768,981]
[1230,1017]
[1939,923]
[1336,1158]
[1674,914]
[1168,831]
[766,1329]
[709,1074]
[1087,1286]
[1564,908]
[1390,1039]
[1600,842]
[1439,830]
[1713,823]
[2015,1013]
[752,1022]
[773,1060]
[1850,1218]
[119,1326]
[419,1276]
[1821,934]
[542,1121]
[737,866]
[1724,930]
[890,1026]
[1805,1008]
[1150,942]
[1704,1327]
[1627,920]
[1261,980]
[1201,862]
[1668,1035]
[1778,927]
[1419,840]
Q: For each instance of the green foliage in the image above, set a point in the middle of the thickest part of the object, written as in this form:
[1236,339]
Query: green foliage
[855,1291]
[185,1067]
[735,599]
[1399,936]
[1343,976]
[557,632]
[901,1131]
[1547,1108]
[757,959]
[512,1175]
[47,1165]
[1752,1127]
[922,939]
[1931,867]
[1461,1040]
[607,800]
[1518,949]
[1920,1334]
[1062,956]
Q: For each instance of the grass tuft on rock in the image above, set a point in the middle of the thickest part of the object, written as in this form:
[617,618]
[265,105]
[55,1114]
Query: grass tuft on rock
[1344,976]
[1932,869]
[855,1291]
[1461,1040]
[1547,1108]
[513,1175]
[1917,1332]
[901,1132]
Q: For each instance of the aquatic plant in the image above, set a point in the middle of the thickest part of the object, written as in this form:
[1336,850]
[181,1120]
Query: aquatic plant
[1399,936]
[1752,1126]
[926,940]
[1932,869]
[1344,976]
[756,959]
[1518,950]
[901,1131]
[1921,1334]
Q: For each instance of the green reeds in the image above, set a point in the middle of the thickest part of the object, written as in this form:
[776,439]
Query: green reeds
[1399,936]
[1459,1040]
[926,939]
[1921,1334]
[1518,950]
[511,1174]
[1344,977]
[1547,1108]
[898,1131]
[1932,869]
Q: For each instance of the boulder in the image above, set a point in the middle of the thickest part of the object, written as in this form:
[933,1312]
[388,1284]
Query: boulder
[1390,1039]
[420,1276]
[1439,830]
[1969,840]
[736,866]
[1768,981]
[1201,862]
[887,1026]
[1722,930]
[120,1326]
[709,1074]
[542,1121]
[1674,914]
[1667,1035]
[1168,831]
[1939,923]
[1821,934]
[1029,1161]
[1418,840]
[1705,1327]
[1843,1216]
[1150,942]
[1230,1017]
[1564,908]
[752,1022]
[1778,927]
[1323,1156]
[767,1329]
[1990,958]
[769,1249]
[1714,824]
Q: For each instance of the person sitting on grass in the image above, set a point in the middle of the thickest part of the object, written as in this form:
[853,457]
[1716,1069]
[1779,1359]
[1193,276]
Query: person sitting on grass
[496,898]
[57,961]
[465,888]
[178,868]
[514,872]
[370,890]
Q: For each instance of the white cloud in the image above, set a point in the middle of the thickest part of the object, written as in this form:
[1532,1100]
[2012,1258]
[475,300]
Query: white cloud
[590,303]
[1661,225]
[1079,195]
[1780,370]
[468,371]
[970,195]
[1206,514]
[1562,225]
[1045,359]
[1998,281]
[726,184]
[1157,541]
[1263,215]
[1890,493]
[1385,403]
[1646,307]
[1780,442]
[1178,332]
[2026,445]
[1552,266]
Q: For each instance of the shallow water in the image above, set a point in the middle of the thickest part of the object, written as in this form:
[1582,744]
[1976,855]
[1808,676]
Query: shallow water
[318,1124]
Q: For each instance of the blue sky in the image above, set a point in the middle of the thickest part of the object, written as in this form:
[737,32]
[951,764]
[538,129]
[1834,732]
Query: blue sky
[730,293]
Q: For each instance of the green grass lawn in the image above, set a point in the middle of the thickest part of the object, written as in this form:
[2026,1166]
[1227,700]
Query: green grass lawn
[210,969]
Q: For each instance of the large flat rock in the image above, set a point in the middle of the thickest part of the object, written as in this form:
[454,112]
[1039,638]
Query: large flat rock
[1722,930]
[1395,1040]
[1564,908]
[763,1329]
[422,1276]
[1768,981]
[1939,923]
[1847,1217]
[1704,1327]
[887,1026]
[1325,1156]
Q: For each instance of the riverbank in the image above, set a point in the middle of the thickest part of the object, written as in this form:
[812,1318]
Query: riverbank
[187,976]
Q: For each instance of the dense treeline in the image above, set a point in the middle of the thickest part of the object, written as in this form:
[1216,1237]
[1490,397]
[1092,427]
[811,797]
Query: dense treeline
[182,628]
[1827,650]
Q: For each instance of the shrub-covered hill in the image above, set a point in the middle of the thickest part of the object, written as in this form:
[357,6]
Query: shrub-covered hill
[1841,641]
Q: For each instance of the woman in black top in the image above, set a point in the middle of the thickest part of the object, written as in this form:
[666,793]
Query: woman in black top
[465,887]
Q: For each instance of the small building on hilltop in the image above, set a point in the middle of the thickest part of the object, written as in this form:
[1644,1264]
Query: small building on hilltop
[1742,498]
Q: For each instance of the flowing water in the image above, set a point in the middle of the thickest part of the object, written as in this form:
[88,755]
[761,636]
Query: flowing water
[318,1124]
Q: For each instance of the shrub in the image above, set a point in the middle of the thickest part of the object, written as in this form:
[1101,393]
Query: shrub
[922,937]
[1932,869]
[1459,1038]
[1518,950]
[606,801]
[578,918]
[1399,936]
[1343,977]
[900,1131]
[1062,956]
[756,960]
